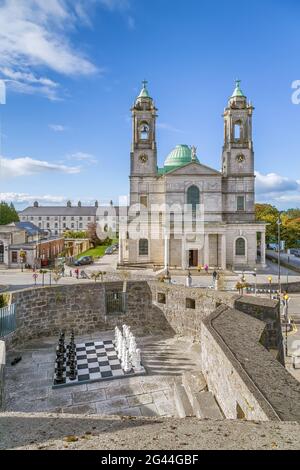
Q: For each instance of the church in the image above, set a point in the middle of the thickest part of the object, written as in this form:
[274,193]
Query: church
[222,231]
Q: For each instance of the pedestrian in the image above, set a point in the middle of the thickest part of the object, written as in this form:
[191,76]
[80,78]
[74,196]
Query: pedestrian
[71,274]
[206,268]
[63,271]
[189,280]
[77,273]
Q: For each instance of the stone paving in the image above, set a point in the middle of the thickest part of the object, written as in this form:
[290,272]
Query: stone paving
[28,385]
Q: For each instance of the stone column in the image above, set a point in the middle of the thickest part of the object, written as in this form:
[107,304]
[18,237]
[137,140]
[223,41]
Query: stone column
[183,254]
[223,251]
[167,252]
[263,249]
[120,250]
[206,249]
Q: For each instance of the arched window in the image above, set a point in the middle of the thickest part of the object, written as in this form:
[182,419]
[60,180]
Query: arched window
[193,197]
[1,252]
[143,247]
[237,130]
[240,247]
[144,131]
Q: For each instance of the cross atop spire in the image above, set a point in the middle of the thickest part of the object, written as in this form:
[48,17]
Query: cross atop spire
[144,92]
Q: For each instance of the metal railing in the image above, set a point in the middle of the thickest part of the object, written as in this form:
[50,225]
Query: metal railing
[116,302]
[7,320]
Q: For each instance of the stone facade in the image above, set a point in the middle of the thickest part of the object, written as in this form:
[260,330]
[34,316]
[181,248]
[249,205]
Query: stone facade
[227,233]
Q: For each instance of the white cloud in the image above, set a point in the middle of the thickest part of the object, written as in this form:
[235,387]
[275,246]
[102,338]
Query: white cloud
[57,127]
[25,166]
[21,198]
[34,34]
[273,182]
[81,156]
[278,190]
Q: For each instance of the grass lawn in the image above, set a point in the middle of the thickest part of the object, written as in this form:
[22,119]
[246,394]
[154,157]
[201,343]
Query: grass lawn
[95,252]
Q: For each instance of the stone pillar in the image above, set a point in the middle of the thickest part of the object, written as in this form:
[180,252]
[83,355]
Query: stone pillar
[223,251]
[263,249]
[167,252]
[206,249]
[120,250]
[183,254]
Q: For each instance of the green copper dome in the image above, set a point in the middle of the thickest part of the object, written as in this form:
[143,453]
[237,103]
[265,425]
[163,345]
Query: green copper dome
[237,90]
[181,155]
[144,91]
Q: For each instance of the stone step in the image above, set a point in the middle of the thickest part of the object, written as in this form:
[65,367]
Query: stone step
[182,403]
[206,407]
[193,382]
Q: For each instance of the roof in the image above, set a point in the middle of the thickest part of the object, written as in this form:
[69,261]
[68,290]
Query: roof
[237,91]
[181,155]
[29,227]
[64,210]
[144,91]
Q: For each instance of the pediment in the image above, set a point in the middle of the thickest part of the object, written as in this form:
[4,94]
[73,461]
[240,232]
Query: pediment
[194,169]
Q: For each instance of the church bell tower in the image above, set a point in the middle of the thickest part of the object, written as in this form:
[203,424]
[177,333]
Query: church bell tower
[143,148]
[238,155]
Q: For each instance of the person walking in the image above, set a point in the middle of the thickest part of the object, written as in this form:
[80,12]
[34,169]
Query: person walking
[189,280]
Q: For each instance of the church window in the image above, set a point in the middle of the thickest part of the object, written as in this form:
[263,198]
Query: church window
[144,131]
[193,197]
[240,247]
[143,247]
[237,130]
[144,201]
[240,203]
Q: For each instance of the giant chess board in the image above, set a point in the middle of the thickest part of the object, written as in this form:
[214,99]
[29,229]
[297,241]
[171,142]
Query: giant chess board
[96,361]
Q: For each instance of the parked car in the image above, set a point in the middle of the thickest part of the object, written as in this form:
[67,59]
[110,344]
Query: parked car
[109,250]
[295,251]
[84,260]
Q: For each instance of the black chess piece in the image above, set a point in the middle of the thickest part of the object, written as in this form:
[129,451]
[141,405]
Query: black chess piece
[73,372]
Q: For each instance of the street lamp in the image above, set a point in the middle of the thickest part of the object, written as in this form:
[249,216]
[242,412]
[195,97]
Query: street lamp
[255,280]
[279,246]
[286,303]
[270,283]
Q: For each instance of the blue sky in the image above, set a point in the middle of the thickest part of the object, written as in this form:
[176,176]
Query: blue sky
[73,69]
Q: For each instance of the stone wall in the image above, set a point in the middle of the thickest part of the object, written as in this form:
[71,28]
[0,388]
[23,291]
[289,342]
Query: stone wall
[247,381]
[45,311]
[267,311]
[2,365]
[187,321]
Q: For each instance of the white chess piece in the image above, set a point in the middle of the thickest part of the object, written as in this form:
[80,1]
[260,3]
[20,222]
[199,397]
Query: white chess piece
[123,353]
[127,364]
[137,364]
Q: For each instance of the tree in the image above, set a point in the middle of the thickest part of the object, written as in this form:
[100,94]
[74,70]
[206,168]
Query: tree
[8,213]
[293,213]
[73,234]
[268,214]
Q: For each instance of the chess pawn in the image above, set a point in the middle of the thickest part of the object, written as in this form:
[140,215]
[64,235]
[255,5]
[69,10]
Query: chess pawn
[58,377]
[127,364]
[119,349]
[124,349]
[137,363]
[73,372]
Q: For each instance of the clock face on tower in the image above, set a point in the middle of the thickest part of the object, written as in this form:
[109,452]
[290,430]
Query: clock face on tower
[143,158]
[240,158]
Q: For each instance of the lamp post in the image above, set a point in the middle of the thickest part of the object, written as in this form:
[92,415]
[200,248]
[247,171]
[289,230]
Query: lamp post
[287,275]
[286,303]
[270,284]
[279,246]
[255,280]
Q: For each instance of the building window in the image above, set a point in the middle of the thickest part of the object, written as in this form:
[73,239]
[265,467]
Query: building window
[56,225]
[143,247]
[72,225]
[161,298]
[14,257]
[31,218]
[240,247]
[237,130]
[64,218]
[193,197]
[48,218]
[64,225]
[72,218]
[56,232]
[80,218]
[144,201]
[89,218]
[40,218]
[144,131]
[80,225]
[190,303]
[240,203]
[48,225]
[40,224]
